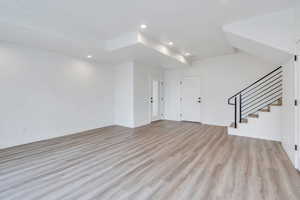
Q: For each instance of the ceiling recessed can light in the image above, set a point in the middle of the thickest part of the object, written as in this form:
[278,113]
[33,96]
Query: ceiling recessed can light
[187,54]
[143,26]
[89,56]
[171,43]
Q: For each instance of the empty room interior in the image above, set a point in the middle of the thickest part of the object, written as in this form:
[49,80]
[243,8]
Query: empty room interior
[150,100]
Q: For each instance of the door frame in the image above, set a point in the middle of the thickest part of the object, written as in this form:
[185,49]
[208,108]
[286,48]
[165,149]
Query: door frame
[297,65]
[181,97]
[297,112]
[156,77]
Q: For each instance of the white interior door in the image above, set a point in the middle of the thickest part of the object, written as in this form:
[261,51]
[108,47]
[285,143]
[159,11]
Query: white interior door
[289,111]
[190,99]
[297,119]
[297,65]
[155,98]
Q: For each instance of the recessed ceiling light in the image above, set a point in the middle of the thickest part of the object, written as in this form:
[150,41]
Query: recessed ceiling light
[89,56]
[171,43]
[143,26]
[187,54]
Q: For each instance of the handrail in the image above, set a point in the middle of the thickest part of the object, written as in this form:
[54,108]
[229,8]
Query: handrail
[258,94]
[229,99]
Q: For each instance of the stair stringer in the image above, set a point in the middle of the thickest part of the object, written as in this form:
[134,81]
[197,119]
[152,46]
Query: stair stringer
[266,126]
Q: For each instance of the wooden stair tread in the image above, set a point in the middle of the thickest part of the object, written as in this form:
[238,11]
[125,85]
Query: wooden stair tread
[253,115]
[277,103]
[266,109]
[244,120]
[232,125]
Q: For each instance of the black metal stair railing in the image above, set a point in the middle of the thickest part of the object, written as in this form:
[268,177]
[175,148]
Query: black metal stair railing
[257,96]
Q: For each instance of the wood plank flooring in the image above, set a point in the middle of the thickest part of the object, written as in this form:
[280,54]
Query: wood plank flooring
[164,160]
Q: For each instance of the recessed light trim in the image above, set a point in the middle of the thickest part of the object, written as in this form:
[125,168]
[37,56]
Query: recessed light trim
[89,56]
[187,54]
[170,43]
[143,26]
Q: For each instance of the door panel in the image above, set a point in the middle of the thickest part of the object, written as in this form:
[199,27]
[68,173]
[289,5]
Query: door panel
[297,124]
[155,98]
[297,13]
[289,113]
[191,99]
[297,65]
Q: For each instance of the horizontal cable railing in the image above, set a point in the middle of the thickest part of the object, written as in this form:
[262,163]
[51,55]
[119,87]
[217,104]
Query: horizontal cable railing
[262,105]
[260,94]
[262,91]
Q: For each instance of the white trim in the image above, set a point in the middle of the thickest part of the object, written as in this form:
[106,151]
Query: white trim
[297,114]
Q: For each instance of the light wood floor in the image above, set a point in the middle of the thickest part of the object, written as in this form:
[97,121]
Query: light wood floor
[165,160]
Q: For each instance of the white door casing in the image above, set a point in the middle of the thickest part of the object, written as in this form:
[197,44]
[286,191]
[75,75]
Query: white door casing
[190,99]
[297,117]
[297,82]
[290,114]
[155,97]
[297,64]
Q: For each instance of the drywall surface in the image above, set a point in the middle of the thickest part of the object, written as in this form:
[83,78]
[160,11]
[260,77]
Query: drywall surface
[142,92]
[261,37]
[221,77]
[132,93]
[297,24]
[288,110]
[46,95]
[267,126]
[123,95]
[262,29]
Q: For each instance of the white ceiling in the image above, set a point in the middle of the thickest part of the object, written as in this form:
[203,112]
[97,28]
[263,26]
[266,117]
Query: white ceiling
[83,26]
[261,37]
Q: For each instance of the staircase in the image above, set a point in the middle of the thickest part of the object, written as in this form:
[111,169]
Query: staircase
[257,98]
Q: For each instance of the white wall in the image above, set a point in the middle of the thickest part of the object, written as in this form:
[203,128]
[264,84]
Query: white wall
[46,95]
[261,37]
[132,93]
[297,23]
[141,95]
[221,77]
[262,29]
[123,94]
[288,110]
[267,126]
